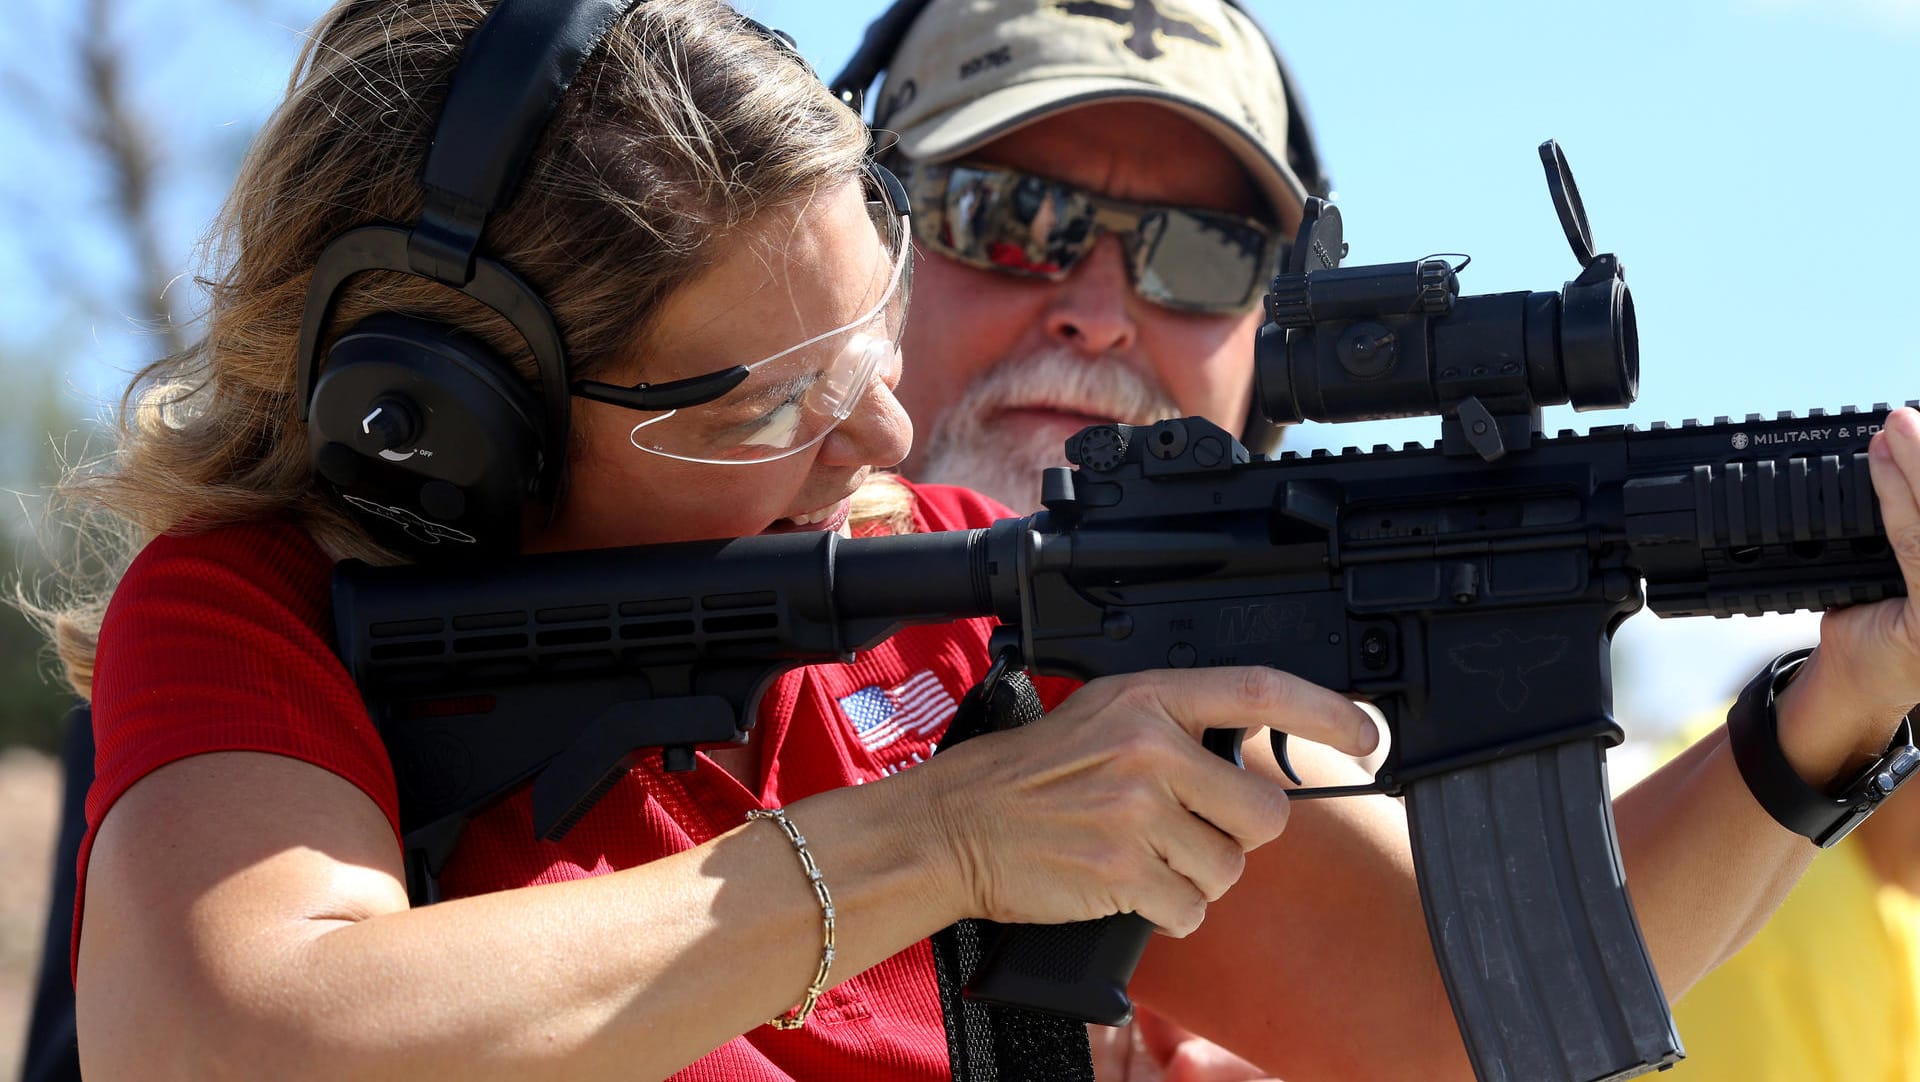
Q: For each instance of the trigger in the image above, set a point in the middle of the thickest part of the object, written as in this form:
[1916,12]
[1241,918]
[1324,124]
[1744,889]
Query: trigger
[1279,741]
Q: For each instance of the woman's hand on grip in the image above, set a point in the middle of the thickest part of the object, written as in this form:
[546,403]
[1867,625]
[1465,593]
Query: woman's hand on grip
[1110,803]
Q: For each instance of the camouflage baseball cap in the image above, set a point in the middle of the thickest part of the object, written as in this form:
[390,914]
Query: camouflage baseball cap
[970,71]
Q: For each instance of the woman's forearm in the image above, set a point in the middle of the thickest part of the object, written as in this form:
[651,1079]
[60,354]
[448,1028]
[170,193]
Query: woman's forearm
[657,965]
[630,975]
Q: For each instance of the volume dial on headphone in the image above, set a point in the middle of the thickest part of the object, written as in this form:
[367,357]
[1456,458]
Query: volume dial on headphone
[391,425]
[431,441]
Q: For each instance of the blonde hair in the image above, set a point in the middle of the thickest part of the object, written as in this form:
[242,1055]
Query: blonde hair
[684,125]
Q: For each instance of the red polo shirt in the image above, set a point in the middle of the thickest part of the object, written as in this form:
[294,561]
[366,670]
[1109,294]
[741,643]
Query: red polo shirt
[221,641]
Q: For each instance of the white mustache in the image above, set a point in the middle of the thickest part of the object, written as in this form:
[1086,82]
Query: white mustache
[965,448]
[1060,380]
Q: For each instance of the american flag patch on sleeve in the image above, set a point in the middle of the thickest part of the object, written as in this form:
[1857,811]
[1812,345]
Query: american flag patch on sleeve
[915,707]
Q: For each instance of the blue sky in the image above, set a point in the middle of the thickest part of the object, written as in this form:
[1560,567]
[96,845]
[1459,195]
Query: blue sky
[1752,162]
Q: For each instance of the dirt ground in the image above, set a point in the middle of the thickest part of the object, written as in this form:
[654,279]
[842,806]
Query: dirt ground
[29,810]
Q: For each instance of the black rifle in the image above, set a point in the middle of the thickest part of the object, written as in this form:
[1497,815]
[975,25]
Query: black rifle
[1470,590]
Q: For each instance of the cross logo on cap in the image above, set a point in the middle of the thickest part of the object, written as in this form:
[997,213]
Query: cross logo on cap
[1146,21]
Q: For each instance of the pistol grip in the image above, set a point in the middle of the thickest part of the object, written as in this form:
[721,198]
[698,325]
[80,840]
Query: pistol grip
[1078,970]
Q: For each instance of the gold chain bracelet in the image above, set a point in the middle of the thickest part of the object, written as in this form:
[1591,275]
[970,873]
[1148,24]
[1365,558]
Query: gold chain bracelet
[797,1016]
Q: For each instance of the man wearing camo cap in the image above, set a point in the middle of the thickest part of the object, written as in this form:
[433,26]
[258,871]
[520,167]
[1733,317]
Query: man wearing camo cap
[1101,191]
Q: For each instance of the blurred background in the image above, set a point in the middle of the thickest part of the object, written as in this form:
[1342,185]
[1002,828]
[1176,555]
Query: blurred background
[1752,162]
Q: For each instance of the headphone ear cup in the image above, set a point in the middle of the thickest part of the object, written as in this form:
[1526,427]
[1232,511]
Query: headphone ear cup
[434,443]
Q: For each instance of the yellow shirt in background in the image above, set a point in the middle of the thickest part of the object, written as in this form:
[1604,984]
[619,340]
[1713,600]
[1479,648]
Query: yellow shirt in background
[1825,991]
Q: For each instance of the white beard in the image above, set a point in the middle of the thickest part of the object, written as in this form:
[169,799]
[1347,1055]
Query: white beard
[969,446]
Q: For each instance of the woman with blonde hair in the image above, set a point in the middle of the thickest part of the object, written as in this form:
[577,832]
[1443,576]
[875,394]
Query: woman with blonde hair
[694,202]
[670,311]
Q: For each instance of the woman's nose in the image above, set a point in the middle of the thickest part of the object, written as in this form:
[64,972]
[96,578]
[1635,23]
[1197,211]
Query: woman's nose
[878,432]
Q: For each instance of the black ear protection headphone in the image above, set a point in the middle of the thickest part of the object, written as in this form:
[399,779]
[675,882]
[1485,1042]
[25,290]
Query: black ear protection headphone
[436,443]
[882,41]
[884,35]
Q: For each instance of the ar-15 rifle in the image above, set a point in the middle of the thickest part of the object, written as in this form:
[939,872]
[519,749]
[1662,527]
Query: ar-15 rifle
[1470,590]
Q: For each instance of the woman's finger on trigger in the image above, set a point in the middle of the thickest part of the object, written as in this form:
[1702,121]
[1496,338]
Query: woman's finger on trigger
[1247,697]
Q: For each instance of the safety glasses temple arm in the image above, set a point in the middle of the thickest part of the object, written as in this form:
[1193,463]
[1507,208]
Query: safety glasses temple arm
[679,394]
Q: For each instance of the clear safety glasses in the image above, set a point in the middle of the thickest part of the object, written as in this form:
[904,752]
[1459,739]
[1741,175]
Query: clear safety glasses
[783,404]
[1028,226]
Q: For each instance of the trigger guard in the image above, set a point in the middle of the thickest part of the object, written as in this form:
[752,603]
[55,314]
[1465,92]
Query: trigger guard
[1278,739]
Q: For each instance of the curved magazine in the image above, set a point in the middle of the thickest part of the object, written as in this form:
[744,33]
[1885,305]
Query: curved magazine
[1527,908]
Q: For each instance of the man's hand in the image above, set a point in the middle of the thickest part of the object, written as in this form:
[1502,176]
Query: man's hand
[1840,711]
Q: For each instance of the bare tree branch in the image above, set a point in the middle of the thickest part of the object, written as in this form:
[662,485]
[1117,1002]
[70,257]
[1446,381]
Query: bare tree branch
[116,131]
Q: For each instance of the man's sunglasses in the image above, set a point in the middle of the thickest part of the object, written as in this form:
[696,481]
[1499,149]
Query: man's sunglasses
[1184,258]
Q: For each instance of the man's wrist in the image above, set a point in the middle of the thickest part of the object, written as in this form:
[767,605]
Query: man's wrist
[1808,798]
[1827,734]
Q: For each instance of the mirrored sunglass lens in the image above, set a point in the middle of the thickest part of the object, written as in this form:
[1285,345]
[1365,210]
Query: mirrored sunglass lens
[1011,222]
[1031,226]
[1198,261]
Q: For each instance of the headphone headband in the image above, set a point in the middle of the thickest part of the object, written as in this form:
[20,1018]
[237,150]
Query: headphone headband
[385,247]
[511,77]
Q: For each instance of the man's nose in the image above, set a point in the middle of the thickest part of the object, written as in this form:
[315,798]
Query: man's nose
[1092,311]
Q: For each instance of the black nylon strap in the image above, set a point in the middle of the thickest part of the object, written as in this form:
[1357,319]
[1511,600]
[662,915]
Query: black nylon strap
[988,1043]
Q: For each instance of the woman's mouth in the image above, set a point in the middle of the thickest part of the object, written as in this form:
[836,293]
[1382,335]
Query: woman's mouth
[829,518]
